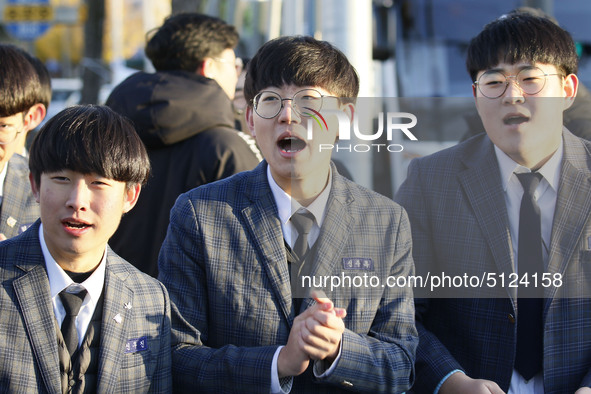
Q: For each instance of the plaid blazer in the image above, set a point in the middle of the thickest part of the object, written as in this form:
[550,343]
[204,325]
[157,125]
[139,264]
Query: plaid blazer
[224,264]
[19,209]
[28,340]
[457,210]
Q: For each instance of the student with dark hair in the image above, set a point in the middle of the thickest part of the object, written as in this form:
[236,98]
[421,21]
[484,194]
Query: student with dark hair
[183,113]
[232,246]
[20,90]
[39,109]
[75,316]
[513,206]
[576,118]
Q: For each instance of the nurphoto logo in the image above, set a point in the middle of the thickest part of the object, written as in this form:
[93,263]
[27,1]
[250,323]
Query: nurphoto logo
[394,123]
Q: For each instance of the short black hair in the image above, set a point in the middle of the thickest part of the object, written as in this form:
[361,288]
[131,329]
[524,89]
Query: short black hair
[301,61]
[522,37]
[186,39]
[19,83]
[90,139]
[44,78]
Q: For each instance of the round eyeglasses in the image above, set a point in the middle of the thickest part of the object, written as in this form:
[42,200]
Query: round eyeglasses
[531,80]
[306,102]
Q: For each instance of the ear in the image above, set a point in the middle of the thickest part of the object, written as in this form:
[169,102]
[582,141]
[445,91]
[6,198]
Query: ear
[474,92]
[208,68]
[132,193]
[249,115]
[349,109]
[37,114]
[570,87]
[34,187]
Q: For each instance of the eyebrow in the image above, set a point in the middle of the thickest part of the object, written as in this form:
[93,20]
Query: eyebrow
[503,70]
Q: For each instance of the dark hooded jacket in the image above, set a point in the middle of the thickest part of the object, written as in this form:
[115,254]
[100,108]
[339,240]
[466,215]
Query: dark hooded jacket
[186,122]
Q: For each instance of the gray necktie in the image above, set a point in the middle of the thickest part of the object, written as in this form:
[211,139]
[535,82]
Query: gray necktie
[72,303]
[302,221]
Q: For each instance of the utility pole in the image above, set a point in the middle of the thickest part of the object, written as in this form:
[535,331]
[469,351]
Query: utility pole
[93,74]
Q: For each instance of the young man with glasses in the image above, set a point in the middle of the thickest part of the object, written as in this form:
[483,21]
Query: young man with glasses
[183,113]
[20,89]
[236,250]
[512,206]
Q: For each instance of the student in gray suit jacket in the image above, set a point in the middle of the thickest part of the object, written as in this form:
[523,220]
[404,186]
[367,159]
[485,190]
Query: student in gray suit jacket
[472,213]
[239,325]
[75,316]
[20,91]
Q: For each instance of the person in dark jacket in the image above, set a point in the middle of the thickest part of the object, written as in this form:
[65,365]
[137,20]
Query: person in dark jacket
[184,116]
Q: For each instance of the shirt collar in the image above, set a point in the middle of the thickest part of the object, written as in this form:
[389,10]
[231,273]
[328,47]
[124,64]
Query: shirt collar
[550,170]
[59,280]
[287,206]
[2,178]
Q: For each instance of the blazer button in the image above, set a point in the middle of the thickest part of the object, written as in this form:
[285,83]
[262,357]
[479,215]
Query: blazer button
[511,318]
[346,383]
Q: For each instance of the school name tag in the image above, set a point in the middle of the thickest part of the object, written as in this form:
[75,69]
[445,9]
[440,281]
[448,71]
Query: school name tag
[358,263]
[136,345]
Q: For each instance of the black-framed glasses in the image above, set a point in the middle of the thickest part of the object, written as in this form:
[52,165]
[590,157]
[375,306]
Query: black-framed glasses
[531,80]
[306,102]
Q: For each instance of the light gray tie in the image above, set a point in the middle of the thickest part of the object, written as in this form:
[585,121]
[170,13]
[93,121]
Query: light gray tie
[303,222]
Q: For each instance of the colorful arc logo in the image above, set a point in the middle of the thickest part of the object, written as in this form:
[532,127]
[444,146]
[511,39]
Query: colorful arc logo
[316,116]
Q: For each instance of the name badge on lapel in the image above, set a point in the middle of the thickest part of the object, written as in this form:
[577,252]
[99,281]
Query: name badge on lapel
[358,263]
[136,345]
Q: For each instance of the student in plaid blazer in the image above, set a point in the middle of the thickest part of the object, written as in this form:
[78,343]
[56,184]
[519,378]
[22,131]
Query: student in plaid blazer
[122,330]
[237,324]
[20,91]
[464,208]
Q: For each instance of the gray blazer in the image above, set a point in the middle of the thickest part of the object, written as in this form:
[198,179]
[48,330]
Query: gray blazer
[28,340]
[224,263]
[19,208]
[459,220]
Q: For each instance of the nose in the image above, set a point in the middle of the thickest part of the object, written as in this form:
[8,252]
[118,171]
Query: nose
[288,114]
[513,92]
[79,197]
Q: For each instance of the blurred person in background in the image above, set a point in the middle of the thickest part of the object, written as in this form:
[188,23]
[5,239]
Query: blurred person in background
[183,113]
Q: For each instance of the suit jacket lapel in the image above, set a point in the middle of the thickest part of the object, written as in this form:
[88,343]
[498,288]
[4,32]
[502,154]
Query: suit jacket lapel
[335,231]
[115,324]
[573,205]
[481,182]
[12,207]
[34,298]
[262,222]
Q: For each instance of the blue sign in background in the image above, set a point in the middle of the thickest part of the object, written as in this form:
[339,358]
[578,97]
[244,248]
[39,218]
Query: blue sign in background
[27,30]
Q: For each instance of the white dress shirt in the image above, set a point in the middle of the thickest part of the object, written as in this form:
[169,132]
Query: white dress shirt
[59,280]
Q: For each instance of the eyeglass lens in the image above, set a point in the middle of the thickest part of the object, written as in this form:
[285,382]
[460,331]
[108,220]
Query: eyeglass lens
[305,102]
[493,84]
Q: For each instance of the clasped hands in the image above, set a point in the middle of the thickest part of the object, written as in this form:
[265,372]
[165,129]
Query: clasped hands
[315,335]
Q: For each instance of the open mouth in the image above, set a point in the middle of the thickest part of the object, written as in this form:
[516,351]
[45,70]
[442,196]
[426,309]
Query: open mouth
[75,225]
[517,119]
[291,144]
